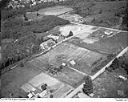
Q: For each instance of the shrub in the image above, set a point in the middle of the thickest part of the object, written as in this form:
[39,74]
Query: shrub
[70,34]
[21,64]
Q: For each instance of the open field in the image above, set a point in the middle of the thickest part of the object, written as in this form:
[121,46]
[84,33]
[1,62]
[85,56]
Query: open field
[78,29]
[109,85]
[56,10]
[113,83]
[14,79]
[103,13]
[103,40]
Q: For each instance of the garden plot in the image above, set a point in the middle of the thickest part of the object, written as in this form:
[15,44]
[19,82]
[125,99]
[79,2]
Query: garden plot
[43,78]
[88,62]
[84,60]
[66,75]
[58,88]
[65,52]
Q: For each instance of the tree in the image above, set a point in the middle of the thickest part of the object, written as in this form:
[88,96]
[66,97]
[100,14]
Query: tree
[51,95]
[88,86]
[115,64]
[70,34]
[21,64]
[25,17]
[44,87]
[35,49]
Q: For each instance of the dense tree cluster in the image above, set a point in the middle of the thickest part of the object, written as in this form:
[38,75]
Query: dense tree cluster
[88,85]
[15,51]
[25,38]
[120,62]
[70,34]
[53,69]
[16,28]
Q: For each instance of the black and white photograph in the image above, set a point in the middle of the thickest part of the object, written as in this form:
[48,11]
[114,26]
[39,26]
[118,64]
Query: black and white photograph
[64,49]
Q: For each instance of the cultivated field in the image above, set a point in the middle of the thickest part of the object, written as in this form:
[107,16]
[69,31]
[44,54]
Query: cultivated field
[58,88]
[67,75]
[85,60]
[103,40]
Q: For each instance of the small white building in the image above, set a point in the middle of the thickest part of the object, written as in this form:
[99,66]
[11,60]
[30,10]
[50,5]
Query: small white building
[72,62]
[53,37]
[42,94]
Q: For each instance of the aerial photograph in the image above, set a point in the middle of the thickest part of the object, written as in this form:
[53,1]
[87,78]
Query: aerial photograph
[64,49]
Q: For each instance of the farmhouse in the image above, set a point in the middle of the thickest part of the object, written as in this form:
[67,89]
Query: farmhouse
[47,44]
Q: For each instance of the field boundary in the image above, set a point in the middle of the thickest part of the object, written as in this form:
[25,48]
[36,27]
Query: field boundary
[97,74]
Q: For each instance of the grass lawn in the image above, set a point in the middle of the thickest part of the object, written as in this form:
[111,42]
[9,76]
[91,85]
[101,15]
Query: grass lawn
[109,85]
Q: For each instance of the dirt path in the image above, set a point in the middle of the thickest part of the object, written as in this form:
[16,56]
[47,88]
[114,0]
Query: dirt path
[77,70]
